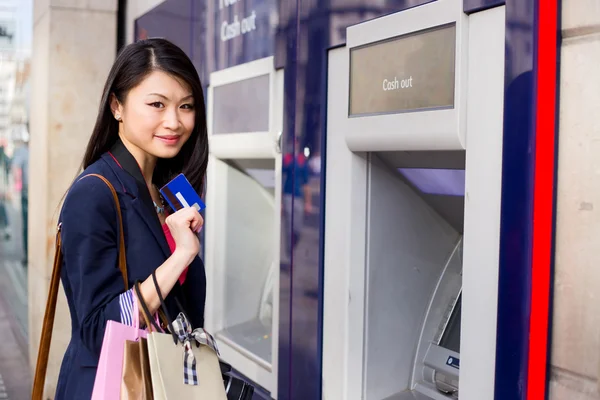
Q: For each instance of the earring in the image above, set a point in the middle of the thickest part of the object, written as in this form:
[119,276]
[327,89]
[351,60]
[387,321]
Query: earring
[118,117]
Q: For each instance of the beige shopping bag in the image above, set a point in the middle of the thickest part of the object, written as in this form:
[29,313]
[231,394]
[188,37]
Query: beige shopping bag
[167,369]
[184,364]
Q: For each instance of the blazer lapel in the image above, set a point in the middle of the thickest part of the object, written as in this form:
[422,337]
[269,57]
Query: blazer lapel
[148,214]
[142,202]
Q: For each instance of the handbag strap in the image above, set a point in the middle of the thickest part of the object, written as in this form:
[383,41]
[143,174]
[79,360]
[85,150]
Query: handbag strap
[48,324]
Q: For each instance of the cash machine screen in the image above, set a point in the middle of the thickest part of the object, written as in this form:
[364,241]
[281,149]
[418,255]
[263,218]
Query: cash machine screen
[405,73]
[242,106]
[451,338]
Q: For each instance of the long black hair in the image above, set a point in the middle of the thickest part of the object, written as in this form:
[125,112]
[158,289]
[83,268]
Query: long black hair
[133,64]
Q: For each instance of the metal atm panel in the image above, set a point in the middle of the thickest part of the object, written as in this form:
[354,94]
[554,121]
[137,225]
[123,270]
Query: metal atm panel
[383,159]
[243,218]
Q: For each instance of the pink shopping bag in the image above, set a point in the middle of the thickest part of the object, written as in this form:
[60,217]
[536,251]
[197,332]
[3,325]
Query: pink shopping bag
[110,365]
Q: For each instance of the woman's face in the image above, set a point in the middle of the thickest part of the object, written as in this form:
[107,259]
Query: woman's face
[157,117]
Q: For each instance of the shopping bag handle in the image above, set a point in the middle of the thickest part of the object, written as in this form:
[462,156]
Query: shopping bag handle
[48,324]
[150,322]
[164,307]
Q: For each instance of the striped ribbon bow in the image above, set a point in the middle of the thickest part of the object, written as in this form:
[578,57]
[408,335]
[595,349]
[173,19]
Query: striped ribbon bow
[183,330]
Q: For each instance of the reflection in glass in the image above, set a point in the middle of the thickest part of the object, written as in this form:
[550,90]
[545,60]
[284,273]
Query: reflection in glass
[447,182]
[451,338]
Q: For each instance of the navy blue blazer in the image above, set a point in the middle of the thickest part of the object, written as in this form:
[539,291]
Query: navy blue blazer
[90,273]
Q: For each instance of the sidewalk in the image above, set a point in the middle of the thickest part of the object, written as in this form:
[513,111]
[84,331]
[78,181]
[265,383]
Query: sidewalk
[15,375]
[15,378]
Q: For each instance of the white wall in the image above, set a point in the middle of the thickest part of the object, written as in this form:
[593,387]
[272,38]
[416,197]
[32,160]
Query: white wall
[576,320]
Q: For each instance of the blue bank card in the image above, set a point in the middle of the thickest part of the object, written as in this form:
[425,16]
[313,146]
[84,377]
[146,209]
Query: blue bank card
[179,193]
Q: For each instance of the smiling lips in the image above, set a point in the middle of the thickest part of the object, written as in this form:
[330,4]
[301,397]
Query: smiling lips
[169,139]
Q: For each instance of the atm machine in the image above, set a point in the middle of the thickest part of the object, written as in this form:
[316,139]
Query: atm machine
[412,213]
[242,230]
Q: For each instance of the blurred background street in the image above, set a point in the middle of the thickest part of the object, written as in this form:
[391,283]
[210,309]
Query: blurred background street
[16,30]
[15,376]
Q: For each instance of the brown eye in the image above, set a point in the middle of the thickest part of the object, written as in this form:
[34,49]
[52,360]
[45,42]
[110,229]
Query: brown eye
[156,104]
[188,106]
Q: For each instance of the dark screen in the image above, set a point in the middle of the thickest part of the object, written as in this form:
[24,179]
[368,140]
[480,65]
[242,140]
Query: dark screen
[451,338]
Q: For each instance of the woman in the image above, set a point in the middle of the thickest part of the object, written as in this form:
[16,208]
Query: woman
[151,127]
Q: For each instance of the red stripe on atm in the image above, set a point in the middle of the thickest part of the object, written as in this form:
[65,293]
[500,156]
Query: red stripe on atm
[543,198]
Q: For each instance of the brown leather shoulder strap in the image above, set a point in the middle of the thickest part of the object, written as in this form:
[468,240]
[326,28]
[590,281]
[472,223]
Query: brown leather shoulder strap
[48,324]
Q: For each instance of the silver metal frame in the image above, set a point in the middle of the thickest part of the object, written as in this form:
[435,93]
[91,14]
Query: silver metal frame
[249,145]
[430,129]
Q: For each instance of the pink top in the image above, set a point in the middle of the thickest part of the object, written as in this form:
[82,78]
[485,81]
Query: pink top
[172,246]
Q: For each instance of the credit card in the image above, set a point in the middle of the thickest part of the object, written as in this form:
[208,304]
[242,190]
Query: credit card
[180,194]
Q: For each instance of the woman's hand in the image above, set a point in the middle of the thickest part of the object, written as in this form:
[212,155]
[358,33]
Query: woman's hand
[184,226]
